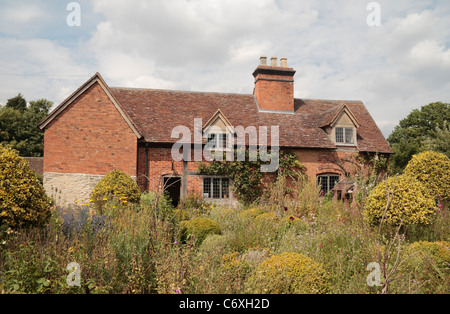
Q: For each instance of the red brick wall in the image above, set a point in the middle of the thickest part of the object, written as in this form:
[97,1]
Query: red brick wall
[90,137]
[195,185]
[276,93]
[326,161]
[160,163]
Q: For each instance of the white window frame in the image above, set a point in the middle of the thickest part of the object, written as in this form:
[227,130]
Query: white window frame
[217,142]
[345,131]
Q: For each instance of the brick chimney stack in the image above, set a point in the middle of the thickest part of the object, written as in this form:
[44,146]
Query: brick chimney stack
[274,85]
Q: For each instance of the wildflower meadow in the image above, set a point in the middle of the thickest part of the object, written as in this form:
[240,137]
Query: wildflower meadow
[392,236]
[202,248]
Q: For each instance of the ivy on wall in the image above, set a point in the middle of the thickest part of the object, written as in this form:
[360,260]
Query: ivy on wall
[247,176]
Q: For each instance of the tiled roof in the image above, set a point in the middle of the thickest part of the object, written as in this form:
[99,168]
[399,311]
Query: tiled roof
[156,112]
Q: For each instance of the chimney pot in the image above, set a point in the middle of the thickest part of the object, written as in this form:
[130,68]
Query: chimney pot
[263,60]
[274,86]
[273,61]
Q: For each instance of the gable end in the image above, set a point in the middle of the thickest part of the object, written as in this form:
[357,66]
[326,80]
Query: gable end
[95,79]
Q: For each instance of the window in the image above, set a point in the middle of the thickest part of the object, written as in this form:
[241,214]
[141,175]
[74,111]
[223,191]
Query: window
[339,135]
[344,135]
[216,188]
[327,182]
[217,140]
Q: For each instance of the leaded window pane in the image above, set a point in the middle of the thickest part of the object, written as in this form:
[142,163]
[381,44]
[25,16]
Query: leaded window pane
[339,135]
[349,135]
[207,187]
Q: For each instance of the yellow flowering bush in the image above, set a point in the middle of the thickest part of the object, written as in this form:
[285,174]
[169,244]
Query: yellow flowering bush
[115,185]
[251,213]
[409,201]
[266,217]
[23,201]
[433,170]
[289,273]
[231,261]
[199,227]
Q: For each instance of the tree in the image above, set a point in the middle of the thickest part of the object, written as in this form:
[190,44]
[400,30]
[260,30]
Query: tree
[439,141]
[17,103]
[35,113]
[18,125]
[420,126]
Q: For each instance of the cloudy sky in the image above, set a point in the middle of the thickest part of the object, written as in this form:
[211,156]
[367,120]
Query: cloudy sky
[214,45]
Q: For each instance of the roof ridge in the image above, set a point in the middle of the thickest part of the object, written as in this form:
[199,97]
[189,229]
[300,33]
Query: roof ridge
[337,101]
[332,100]
[176,91]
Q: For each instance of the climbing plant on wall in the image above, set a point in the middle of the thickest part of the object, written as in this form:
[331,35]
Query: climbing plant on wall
[247,176]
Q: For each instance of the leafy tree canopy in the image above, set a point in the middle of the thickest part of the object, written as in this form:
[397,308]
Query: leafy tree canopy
[17,103]
[421,130]
[18,125]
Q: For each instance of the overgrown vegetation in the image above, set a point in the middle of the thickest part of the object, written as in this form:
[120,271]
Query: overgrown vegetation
[115,186]
[292,240]
[139,249]
[23,202]
[246,174]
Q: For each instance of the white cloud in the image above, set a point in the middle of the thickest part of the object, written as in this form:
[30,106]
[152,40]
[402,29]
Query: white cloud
[38,68]
[20,13]
[214,45]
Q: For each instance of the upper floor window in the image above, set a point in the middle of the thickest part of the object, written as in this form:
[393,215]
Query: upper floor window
[344,135]
[218,141]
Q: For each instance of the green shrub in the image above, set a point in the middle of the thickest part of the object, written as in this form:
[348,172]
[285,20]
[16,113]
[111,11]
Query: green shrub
[438,252]
[433,170]
[409,201]
[160,203]
[30,270]
[116,185]
[180,215]
[199,227]
[213,243]
[289,273]
[266,217]
[428,267]
[23,202]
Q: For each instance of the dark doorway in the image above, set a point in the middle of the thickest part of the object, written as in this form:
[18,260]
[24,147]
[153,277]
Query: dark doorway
[172,187]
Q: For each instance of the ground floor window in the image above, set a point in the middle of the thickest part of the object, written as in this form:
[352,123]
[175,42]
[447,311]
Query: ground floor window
[214,187]
[327,182]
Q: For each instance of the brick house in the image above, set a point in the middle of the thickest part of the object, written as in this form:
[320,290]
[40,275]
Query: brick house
[100,128]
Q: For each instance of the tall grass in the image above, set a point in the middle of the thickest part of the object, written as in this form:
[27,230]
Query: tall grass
[137,249]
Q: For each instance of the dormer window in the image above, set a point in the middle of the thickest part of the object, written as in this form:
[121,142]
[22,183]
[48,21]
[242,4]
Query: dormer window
[218,133]
[340,125]
[344,135]
[218,141]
